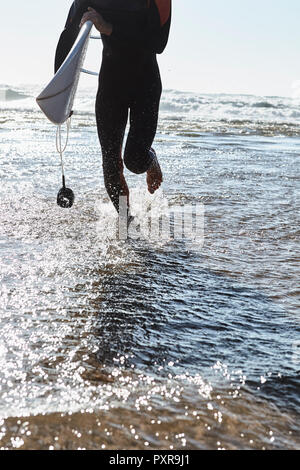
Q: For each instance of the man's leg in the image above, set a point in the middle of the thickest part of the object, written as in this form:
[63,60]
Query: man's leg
[139,157]
[112,116]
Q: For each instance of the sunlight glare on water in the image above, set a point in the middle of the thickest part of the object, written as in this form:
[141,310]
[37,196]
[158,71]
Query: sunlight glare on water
[148,343]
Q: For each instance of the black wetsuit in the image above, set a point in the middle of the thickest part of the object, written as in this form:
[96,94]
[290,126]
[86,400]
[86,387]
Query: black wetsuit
[129,80]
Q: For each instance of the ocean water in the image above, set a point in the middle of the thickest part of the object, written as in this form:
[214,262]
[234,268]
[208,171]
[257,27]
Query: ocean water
[152,343]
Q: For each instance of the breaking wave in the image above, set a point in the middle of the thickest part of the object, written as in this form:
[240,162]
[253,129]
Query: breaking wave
[181,112]
[10,94]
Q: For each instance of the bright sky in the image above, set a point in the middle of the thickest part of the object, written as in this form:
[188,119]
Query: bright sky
[230,46]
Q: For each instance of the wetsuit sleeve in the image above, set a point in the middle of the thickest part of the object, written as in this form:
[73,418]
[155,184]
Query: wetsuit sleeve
[156,33]
[70,33]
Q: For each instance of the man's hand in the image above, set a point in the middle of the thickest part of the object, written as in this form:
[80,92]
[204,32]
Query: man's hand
[99,23]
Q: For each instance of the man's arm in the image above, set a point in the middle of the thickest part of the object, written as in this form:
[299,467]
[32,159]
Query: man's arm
[70,32]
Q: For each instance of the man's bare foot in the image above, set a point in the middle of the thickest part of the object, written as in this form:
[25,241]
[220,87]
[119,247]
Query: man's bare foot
[154,175]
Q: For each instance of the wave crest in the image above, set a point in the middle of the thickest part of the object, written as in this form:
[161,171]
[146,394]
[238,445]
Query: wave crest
[9,94]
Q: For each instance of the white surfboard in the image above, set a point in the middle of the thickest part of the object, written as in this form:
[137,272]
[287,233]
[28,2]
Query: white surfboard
[56,100]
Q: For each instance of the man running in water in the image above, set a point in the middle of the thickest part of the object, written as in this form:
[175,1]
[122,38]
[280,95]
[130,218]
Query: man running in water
[133,32]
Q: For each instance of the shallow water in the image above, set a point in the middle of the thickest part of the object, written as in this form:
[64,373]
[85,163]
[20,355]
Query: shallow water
[151,343]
